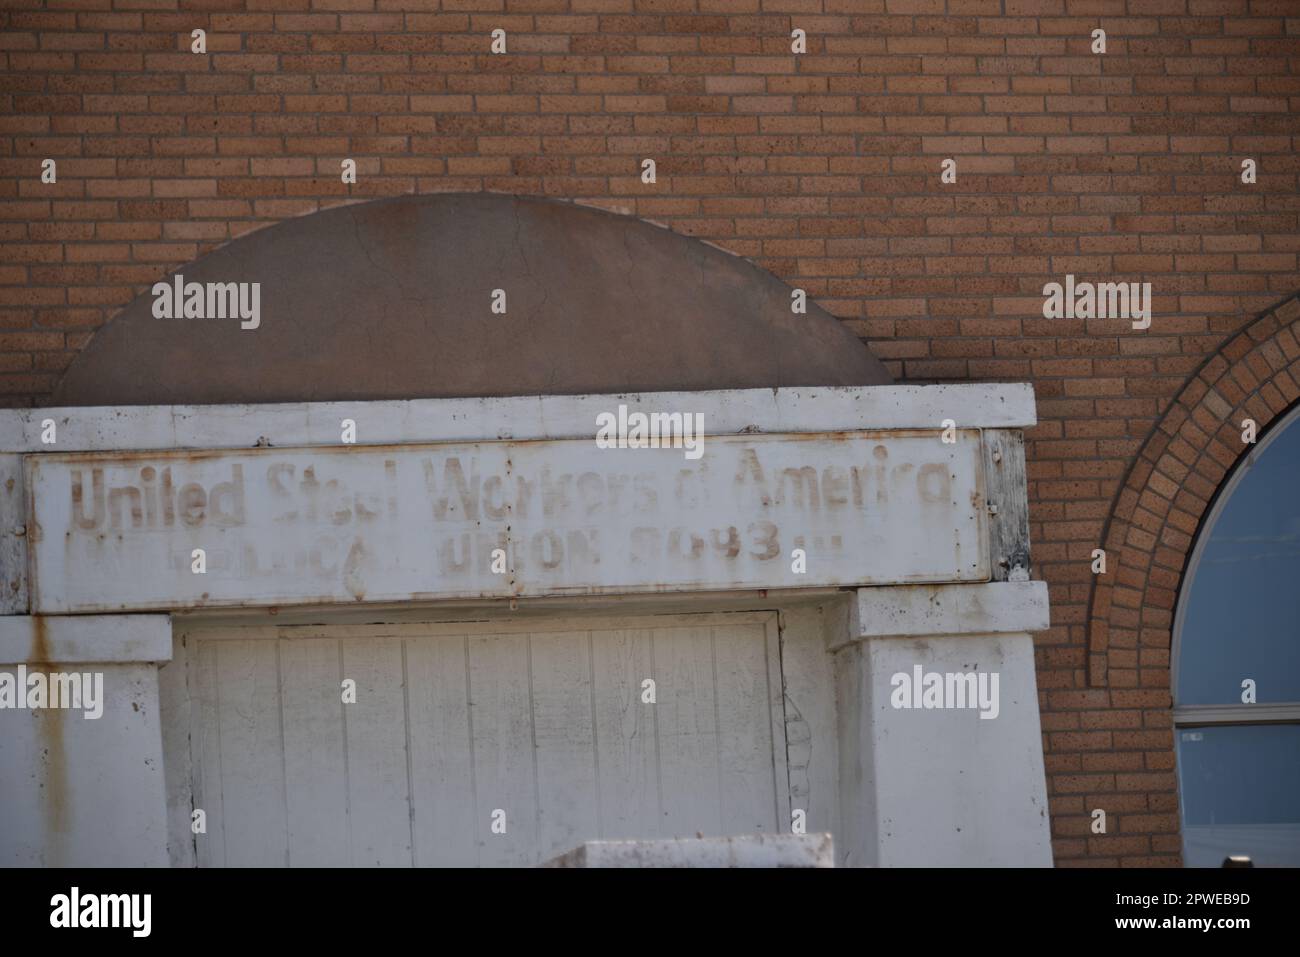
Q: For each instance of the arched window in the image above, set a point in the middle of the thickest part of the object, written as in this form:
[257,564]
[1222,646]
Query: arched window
[1236,665]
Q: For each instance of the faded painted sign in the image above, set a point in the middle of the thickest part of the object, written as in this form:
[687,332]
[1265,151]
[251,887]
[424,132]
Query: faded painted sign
[498,519]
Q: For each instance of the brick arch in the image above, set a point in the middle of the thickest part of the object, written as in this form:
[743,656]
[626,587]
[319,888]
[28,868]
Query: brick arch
[1169,489]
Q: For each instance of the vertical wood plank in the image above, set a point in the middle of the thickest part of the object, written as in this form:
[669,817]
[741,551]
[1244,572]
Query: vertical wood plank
[13,546]
[776,711]
[205,753]
[252,754]
[1007,492]
[315,770]
[745,749]
[175,706]
[625,734]
[375,732]
[566,746]
[504,769]
[688,739]
[442,761]
[808,674]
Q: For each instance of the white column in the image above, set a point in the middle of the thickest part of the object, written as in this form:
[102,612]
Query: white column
[936,783]
[77,790]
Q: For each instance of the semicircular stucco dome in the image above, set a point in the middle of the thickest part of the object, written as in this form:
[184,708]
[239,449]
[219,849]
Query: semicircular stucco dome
[392,299]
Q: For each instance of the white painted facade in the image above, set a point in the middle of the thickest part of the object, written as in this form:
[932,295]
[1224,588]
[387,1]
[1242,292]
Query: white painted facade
[521,689]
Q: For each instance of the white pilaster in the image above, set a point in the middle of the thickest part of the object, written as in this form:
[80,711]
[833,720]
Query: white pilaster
[943,786]
[76,790]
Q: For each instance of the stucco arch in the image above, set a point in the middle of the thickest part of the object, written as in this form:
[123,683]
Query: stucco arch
[1170,488]
[391,299]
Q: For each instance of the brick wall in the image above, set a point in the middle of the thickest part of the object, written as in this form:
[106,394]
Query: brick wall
[822,167]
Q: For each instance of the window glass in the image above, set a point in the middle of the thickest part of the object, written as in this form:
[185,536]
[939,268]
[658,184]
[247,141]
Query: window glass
[1241,613]
[1240,794]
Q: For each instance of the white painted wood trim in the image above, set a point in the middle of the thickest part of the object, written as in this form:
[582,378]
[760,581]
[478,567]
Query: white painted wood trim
[915,611]
[505,625]
[225,628]
[535,609]
[811,409]
[1206,715]
[85,638]
[776,712]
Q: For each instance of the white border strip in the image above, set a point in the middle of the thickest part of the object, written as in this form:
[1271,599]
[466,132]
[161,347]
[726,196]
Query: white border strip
[834,409]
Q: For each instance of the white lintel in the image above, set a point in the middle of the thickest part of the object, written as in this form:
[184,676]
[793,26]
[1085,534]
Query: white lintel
[790,410]
[915,611]
[104,639]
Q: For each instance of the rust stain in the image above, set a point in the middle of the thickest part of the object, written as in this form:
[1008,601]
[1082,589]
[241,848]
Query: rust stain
[49,731]
[352,580]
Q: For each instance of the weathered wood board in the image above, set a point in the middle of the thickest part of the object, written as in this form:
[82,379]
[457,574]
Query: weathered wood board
[113,532]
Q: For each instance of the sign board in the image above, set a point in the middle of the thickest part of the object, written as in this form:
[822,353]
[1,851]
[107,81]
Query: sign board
[112,532]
